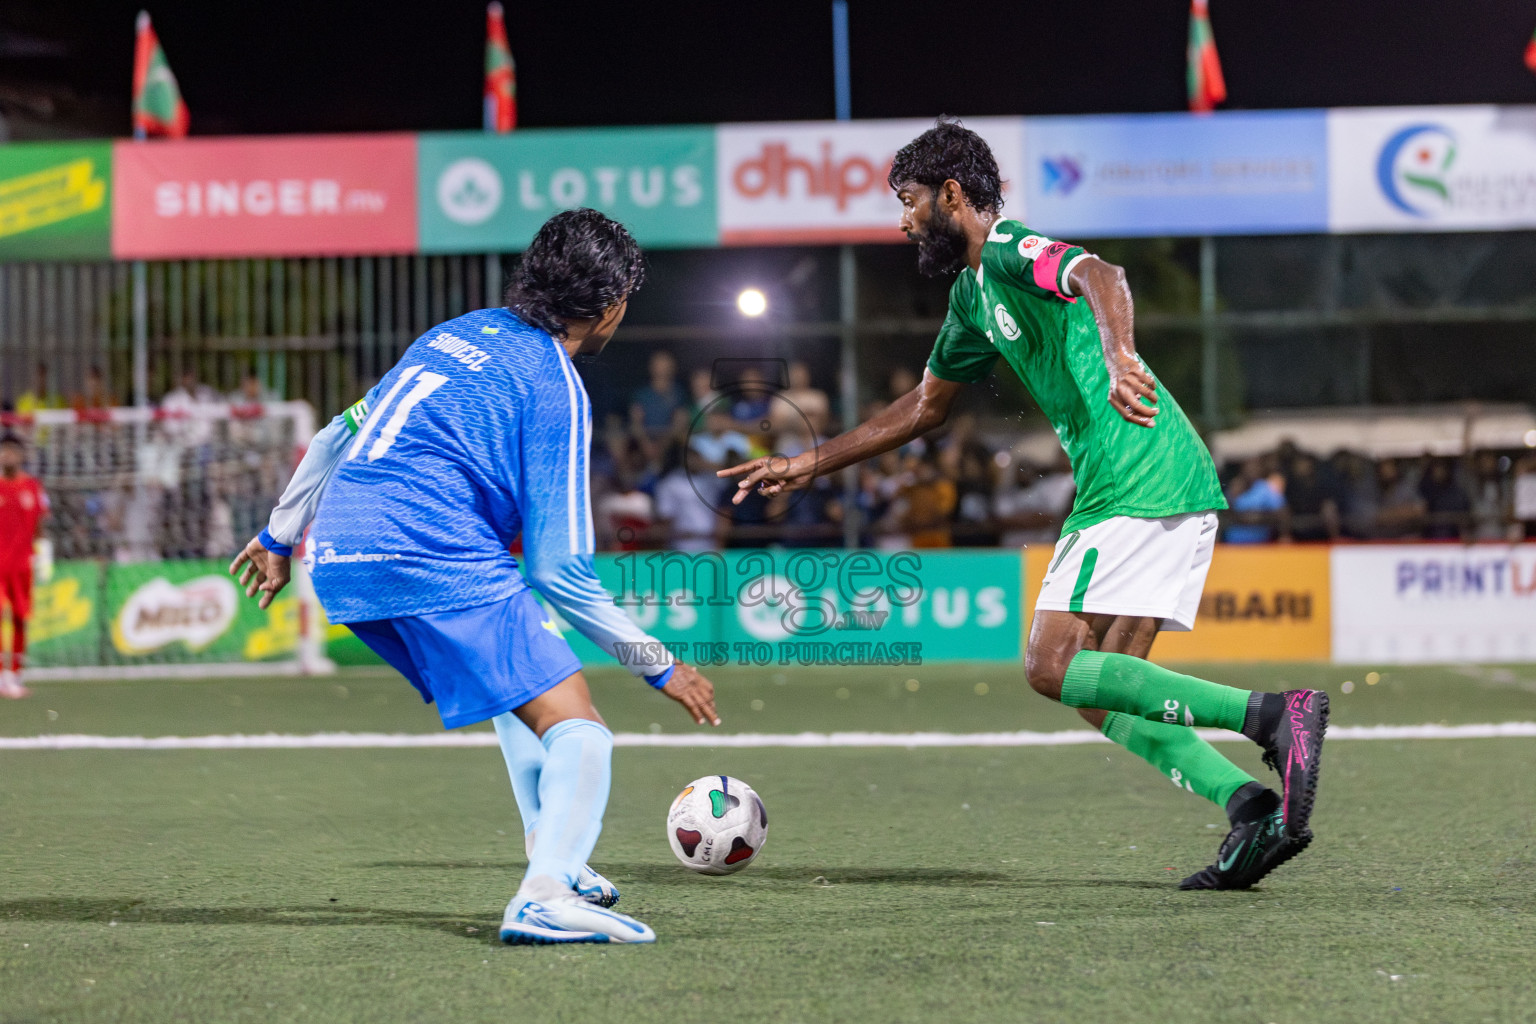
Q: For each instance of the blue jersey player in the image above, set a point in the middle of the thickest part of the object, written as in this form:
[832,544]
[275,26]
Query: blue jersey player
[482,432]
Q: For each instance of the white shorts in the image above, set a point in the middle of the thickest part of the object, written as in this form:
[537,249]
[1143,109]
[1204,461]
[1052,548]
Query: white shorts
[1154,568]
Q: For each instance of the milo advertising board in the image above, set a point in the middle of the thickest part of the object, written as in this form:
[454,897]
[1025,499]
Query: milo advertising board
[89,614]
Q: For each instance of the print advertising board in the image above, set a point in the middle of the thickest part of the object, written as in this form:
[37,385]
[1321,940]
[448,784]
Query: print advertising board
[1427,603]
[490,193]
[824,181]
[286,196]
[1177,174]
[55,201]
[1432,169]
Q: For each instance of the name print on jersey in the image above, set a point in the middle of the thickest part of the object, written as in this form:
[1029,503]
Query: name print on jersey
[471,356]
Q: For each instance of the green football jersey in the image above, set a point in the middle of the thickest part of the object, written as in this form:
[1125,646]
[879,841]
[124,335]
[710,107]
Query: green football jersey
[1020,306]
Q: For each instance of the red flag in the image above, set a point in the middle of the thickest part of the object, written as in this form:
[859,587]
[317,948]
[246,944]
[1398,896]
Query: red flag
[500,74]
[158,108]
[1206,85]
[1530,53]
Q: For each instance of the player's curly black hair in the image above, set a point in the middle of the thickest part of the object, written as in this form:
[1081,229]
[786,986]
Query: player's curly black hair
[951,150]
[578,265]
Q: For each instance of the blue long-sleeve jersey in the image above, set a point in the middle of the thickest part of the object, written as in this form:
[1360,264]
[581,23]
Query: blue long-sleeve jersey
[482,431]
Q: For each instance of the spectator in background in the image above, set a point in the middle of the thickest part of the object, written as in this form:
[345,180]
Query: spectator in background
[625,514]
[752,399]
[187,405]
[94,397]
[901,381]
[1257,497]
[687,494]
[720,442]
[701,391]
[800,413]
[1032,511]
[41,395]
[927,505]
[1492,498]
[1401,513]
[652,406]
[1446,505]
[251,393]
[1525,494]
[1314,510]
[1354,479]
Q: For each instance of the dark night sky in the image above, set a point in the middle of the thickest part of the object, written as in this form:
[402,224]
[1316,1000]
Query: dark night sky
[285,66]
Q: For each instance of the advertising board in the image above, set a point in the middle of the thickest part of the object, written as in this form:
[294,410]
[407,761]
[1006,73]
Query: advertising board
[490,193]
[1254,172]
[1261,603]
[55,201]
[1432,169]
[92,614]
[1426,603]
[824,181]
[323,195]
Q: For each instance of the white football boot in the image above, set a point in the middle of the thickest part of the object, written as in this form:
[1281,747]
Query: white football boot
[544,911]
[10,686]
[590,885]
[594,888]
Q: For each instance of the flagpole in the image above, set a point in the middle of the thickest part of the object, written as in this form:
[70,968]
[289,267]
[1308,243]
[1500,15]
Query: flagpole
[488,124]
[140,282]
[847,290]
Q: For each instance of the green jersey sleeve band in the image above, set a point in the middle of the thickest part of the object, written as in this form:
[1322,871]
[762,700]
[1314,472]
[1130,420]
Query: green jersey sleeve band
[355,415]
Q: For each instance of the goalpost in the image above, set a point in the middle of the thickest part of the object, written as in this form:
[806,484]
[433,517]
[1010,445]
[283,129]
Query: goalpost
[148,507]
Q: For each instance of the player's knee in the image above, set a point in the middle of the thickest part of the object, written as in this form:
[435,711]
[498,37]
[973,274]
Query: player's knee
[1045,669]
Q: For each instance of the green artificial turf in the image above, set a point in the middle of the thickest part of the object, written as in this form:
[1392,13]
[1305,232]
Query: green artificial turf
[957,884]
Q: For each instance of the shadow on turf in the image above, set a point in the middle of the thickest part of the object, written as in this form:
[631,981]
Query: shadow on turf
[671,874]
[129,912]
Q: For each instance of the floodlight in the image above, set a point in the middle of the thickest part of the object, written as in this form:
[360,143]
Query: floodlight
[752,302]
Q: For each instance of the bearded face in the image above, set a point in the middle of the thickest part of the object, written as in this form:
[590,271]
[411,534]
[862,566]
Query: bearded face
[941,244]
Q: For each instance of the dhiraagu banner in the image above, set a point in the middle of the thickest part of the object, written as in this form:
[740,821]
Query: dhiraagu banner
[490,193]
[55,201]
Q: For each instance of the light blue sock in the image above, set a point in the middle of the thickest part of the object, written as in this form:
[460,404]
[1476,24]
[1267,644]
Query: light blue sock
[573,793]
[524,755]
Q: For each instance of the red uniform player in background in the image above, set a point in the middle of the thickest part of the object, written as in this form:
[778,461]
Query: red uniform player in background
[23,507]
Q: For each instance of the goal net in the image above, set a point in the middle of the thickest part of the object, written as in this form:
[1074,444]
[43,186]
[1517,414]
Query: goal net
[148,508]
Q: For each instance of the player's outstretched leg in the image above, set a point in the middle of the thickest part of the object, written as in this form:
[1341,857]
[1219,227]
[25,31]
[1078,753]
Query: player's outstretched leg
[1289,726]
[525,755]
[573,793]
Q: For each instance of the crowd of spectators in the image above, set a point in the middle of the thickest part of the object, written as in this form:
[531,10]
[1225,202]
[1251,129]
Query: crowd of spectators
[654,482]
[1290,494]
[194,482]
[655,485]
[190,485]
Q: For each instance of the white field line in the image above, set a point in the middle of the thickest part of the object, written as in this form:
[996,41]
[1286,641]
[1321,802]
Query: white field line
[369,740]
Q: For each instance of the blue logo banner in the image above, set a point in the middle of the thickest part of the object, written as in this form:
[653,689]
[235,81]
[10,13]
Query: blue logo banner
[1260,172]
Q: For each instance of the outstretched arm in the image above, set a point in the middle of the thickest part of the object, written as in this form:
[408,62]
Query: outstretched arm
[1132,389]
[264,565]
[912,415]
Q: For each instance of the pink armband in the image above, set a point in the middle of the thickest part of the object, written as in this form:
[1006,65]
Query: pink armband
[1048,266]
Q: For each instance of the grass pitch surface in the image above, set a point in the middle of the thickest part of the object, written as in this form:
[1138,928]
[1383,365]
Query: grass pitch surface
[958,884]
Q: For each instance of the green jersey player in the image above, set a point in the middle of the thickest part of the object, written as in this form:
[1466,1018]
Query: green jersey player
[1134,553]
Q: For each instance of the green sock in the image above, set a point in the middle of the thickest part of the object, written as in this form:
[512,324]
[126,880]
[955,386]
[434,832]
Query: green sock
[1180,754]
[1134,686]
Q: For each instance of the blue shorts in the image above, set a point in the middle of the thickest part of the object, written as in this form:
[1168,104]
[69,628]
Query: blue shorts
[477,662]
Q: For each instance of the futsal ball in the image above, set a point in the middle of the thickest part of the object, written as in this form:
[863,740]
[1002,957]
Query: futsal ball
[717,825]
